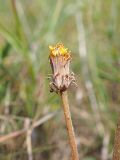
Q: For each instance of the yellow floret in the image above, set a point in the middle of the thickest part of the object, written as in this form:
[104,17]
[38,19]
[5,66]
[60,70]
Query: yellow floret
[51,48]
[59,49]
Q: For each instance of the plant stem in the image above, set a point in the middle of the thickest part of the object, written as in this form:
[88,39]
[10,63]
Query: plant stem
[116,149]
[69,125]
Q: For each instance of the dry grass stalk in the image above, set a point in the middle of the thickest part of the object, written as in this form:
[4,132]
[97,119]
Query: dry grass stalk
[85,71]
[25,130]
[12,135]
[28,139]
[61,80]
[116,149]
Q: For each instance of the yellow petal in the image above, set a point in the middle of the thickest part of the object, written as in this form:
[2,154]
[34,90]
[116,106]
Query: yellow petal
[51,48]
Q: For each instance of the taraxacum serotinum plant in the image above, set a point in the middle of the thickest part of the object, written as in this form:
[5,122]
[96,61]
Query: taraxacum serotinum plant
[60,59]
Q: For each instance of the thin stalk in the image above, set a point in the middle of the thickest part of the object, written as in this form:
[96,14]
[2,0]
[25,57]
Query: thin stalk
[116,149]
[69,125]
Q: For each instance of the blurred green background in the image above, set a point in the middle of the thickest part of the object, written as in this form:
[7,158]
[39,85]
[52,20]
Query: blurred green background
[90,29]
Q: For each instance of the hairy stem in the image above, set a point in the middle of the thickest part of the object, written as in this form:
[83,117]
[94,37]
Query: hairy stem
[116,149]
[69,125]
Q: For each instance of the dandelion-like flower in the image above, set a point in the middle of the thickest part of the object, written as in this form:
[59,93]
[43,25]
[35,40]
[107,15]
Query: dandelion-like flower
[60,59]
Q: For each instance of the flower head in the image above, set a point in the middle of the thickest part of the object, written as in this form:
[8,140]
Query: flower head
[60,61]
[59,50]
